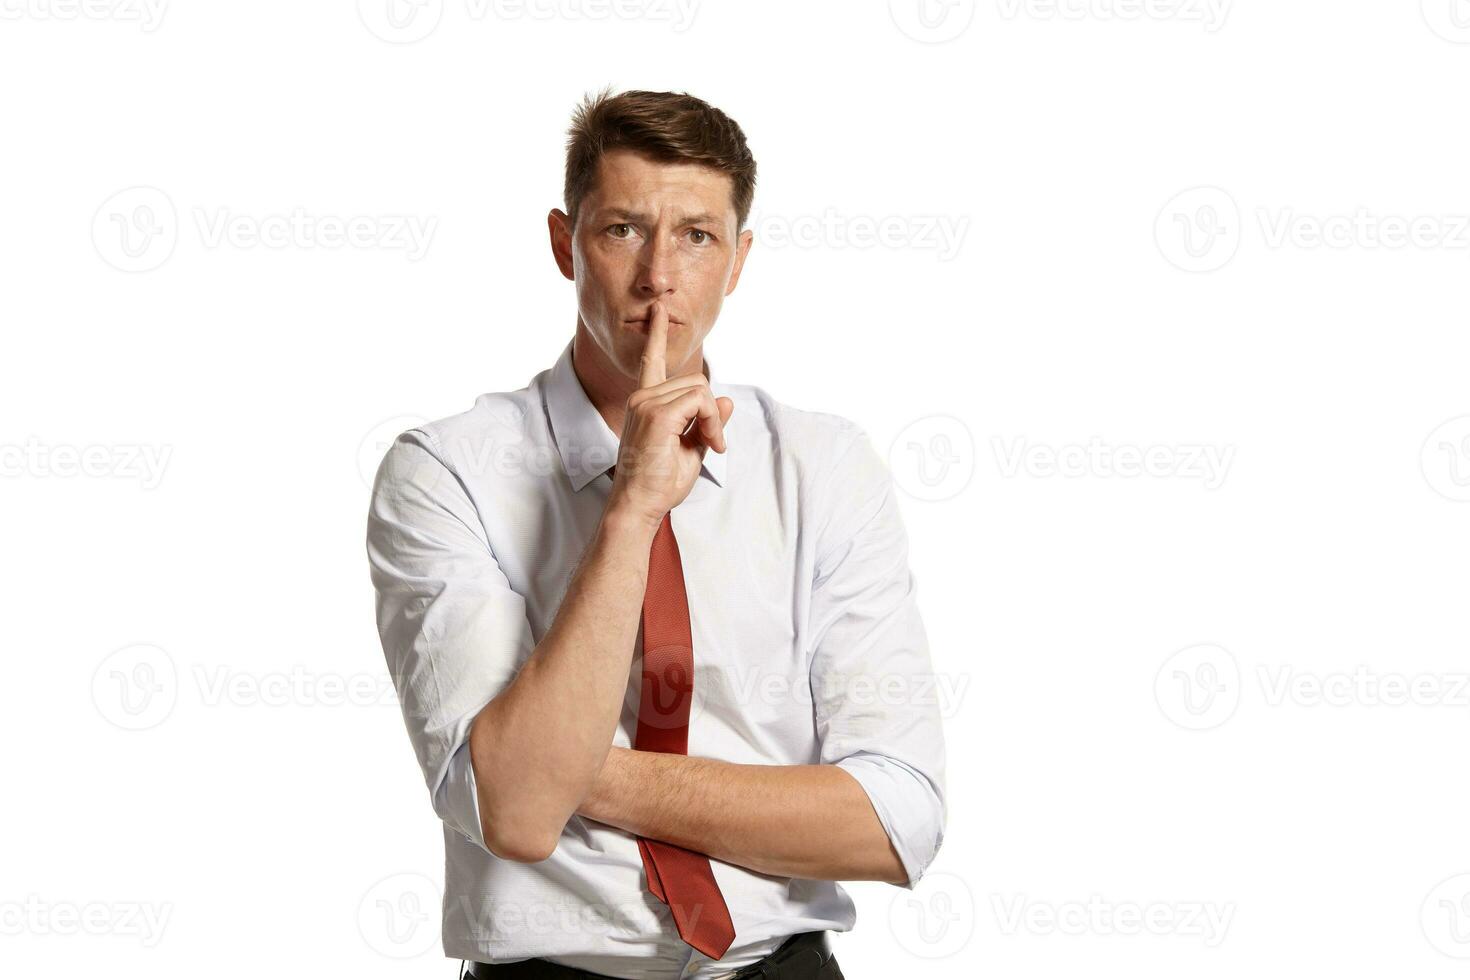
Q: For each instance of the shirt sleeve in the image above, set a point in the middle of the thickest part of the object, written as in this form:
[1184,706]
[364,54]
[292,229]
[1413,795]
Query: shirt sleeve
[453,630]
[873,689]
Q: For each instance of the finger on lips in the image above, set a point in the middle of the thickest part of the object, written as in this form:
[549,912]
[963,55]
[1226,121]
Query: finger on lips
[657,389]
[653,370]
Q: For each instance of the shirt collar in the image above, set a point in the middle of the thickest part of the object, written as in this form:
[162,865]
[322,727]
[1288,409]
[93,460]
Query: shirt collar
[586,444]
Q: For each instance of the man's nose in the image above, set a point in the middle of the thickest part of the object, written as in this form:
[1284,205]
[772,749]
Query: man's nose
[658,267]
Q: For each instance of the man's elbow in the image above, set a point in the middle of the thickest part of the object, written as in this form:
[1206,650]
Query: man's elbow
[890,867]
[507,825]
[523,847]
[511,831]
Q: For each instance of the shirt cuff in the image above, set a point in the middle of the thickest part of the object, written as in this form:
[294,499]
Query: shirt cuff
[908,808]
[457,802]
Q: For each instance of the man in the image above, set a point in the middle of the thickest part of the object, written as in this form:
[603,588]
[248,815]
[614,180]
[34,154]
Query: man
[654,635]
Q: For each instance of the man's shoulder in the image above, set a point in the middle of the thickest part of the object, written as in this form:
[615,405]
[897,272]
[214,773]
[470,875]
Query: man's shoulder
[838,473]
[495,418]
[823,452]
[802,432]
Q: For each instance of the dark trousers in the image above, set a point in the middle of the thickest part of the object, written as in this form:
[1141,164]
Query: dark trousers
[805,956]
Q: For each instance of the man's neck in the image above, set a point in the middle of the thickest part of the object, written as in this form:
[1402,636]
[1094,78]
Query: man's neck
[607,387]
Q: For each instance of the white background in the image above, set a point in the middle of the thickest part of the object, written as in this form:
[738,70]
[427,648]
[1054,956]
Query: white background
[1208,715]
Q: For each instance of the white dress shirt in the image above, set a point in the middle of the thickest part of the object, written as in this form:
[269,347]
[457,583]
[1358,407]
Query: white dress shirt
[808,648]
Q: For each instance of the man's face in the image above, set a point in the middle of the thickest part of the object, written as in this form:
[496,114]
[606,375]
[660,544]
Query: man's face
[651,231]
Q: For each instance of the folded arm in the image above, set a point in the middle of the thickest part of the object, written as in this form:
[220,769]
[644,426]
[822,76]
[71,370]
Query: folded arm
[794,821]
[486,706]
[873,805]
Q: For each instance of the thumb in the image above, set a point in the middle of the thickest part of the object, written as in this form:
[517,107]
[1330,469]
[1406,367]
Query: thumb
[726,407]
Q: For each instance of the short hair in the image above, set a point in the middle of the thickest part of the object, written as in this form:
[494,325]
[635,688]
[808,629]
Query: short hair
[669,127]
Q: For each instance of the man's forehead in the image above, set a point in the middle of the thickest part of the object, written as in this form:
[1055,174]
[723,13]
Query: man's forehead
[638,185]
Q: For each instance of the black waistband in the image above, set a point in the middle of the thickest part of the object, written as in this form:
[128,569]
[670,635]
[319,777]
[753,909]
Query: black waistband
[799,956]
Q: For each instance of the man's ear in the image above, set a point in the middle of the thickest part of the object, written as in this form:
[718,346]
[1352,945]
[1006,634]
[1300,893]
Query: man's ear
[742,249]
[560,227]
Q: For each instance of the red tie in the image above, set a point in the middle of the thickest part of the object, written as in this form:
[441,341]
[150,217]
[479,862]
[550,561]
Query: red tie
[680,878]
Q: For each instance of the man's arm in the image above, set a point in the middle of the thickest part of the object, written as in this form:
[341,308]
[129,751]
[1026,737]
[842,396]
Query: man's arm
[794,821]
[509,733]
[537,747]
[874,808]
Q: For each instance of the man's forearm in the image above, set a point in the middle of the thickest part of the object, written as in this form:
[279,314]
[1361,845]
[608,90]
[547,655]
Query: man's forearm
[538,746]
[805,821]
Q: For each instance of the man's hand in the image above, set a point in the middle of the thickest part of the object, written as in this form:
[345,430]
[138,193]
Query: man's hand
[669,425]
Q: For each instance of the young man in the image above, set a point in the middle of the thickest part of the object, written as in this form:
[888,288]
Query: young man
[654,635]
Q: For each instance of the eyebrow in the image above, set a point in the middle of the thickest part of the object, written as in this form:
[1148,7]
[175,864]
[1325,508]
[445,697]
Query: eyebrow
[638,216]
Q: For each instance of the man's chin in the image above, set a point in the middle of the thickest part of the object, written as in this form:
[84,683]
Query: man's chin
[673,360]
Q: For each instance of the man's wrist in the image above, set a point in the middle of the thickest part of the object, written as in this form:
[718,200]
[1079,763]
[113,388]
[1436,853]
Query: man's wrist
[597,804]
[624,521]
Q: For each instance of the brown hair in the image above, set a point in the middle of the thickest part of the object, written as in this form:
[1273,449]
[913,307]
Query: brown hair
[665,126]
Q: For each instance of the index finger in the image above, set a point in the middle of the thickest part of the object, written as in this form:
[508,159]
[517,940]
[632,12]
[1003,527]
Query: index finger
[653,370]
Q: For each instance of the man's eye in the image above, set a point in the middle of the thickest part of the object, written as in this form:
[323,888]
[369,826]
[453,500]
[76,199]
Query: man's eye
[700,237]
[620,231]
